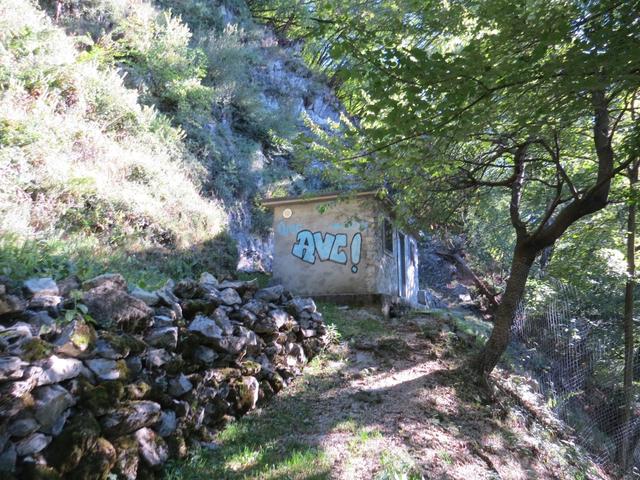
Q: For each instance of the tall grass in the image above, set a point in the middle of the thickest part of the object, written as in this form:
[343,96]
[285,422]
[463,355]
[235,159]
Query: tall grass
[85,166]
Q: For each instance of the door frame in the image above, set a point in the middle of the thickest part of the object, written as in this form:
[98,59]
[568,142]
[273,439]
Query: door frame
[401,261]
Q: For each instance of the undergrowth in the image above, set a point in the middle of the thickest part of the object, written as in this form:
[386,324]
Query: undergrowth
[129,129]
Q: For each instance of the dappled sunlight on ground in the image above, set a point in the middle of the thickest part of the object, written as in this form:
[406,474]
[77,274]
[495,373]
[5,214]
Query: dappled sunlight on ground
[391,401]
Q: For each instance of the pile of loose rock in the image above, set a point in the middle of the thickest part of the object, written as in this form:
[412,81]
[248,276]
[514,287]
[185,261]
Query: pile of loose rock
[96,379]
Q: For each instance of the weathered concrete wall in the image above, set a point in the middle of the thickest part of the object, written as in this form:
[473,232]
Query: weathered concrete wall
[316,248]
[337,248]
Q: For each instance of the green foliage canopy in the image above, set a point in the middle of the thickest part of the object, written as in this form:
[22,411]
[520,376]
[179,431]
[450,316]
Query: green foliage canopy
[444,92]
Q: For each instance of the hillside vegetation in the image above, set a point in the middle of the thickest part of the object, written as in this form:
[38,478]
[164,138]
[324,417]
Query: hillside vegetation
[129,133]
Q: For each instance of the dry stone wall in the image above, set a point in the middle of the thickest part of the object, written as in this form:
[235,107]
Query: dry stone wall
[96,379]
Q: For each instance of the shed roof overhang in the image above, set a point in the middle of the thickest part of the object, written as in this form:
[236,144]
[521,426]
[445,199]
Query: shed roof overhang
[320,197]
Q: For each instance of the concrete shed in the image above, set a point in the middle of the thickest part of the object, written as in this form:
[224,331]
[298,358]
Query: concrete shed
[343,248]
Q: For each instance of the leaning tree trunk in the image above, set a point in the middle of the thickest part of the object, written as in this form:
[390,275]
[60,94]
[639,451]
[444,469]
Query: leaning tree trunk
[628,319]
[523,258]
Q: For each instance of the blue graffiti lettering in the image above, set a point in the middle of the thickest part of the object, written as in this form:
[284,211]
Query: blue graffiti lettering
[324,245]
[356,244]
[337,255]
[327,247]
[304,248]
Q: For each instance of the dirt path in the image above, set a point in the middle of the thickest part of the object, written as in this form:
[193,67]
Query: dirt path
[424,418]
[391,404]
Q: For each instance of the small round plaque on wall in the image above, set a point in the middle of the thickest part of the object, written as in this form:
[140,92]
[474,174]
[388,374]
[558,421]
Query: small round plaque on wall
[286,213]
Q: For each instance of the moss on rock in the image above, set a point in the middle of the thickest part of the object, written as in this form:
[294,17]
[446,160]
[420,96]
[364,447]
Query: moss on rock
[97,462]
[68,448]
[123,343]
[104,397]
[36,349]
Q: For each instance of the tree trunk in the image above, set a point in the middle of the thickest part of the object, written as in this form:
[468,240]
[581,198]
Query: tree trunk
[628,318]
[523,257]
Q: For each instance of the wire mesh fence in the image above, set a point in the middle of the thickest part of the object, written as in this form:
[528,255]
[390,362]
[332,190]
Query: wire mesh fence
[577,364]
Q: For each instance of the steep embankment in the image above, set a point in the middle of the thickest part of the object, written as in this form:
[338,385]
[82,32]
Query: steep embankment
[137,138]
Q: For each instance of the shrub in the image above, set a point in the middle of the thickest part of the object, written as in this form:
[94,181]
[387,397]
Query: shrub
[91,179]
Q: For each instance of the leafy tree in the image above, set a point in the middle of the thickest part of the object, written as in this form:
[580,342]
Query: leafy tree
[459,98]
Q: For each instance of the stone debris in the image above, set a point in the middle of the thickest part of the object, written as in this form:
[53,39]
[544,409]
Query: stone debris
[144,375]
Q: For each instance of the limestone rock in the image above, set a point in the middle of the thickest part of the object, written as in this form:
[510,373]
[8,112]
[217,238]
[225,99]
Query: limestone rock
[204,306]
[97,462]
[115,307]
[280,317]
[177,445]
[164,337]
[232,345]
[137,390]
[205,326]
[179,386]
[166,295]
[15,391]
[257,307]
[134,364]
[11,368]
[246,391]
[251,340]
[266,326]
[56,370]
[40,286]
[13,338]
[229,296]
[222,319]
[11,304]
[188,289]
[241,286]
[130,417]
[298,305]
[249,367]
[76,339]
[208,280]
[150,298]
[107,369]
[49,303]
[123,344]
[167,424]
[160,321]
[23,427]
[50,404]
[41,322]
[80,435]
[246,317]
[127,458]
[67,285]
[105,350]
[152,448]
[205,355]
[109,280]
[34,443]
[157,357]
[241,345]
[270,294]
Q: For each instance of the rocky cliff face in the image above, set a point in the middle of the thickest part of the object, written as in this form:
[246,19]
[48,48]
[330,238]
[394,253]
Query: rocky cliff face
[286,84]
[96,379]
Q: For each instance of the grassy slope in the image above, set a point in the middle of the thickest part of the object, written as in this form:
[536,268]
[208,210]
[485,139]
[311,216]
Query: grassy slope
[89,177]
[397,411]
[129,130]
